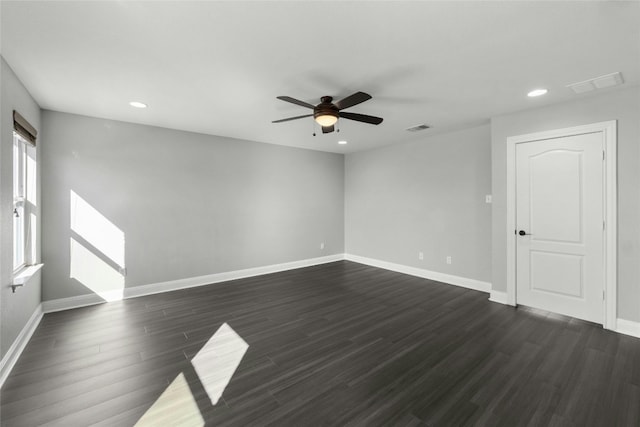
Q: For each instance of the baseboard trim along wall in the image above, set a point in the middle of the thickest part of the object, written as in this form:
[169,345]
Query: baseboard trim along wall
[11,356]
[499,297]
[425,274]
[173,285]
[628,327]
[61,304]
[191,282]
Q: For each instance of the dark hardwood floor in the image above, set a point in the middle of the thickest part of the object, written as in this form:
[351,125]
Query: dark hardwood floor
[337,344]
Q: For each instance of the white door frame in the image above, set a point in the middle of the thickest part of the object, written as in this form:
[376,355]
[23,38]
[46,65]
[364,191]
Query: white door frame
[609,210]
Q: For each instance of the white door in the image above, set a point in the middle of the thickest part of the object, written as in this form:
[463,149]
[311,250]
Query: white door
[559,220]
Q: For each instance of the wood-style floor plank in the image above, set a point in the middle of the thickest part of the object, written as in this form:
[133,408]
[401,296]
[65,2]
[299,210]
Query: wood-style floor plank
[336,344]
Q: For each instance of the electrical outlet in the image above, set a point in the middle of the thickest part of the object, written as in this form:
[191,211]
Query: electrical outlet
[420,256]
[448,260]
[487,198]
[322,246]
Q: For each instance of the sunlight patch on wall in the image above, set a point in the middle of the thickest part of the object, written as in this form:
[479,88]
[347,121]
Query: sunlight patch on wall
[217,361]
[94,273]
[96,229]
[175,407]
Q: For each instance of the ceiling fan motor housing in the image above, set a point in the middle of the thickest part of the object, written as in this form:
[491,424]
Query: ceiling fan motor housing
[325,108]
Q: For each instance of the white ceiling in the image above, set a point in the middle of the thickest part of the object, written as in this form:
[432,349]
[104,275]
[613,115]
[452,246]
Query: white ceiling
[217,67]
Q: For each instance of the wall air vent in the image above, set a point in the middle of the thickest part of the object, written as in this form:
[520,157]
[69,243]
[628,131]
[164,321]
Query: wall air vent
[418,128]
[608,80]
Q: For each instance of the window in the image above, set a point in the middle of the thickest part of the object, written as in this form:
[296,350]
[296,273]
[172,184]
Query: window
[24,193]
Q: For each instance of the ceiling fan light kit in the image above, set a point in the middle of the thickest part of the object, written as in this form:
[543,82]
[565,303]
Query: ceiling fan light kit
[327,113]
[326,120]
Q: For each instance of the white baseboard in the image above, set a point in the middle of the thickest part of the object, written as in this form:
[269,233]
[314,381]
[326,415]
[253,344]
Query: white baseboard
[628,327]
[425,274]
[17,347]
[499,297]
[190,282]
[71,302]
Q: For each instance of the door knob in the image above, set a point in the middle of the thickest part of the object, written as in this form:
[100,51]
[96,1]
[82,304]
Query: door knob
[523,233]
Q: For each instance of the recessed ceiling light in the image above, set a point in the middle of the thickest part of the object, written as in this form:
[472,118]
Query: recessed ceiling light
[138,104]
[537,92]
[342,142]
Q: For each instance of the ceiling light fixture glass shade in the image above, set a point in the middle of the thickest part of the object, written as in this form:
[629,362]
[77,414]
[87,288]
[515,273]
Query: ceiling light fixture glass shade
[326,119]
[138,104]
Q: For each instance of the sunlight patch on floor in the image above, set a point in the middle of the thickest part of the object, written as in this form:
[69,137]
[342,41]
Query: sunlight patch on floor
[217,361]
[214,366]
[175,407]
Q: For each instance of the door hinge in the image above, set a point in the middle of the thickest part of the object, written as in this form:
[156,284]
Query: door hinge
[604,295]
[602,155]
[604,225]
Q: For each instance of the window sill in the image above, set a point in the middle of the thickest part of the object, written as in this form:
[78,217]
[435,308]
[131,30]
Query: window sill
[21,277]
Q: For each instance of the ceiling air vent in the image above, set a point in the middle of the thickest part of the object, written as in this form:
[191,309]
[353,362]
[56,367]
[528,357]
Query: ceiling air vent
[609,80]
[418,128]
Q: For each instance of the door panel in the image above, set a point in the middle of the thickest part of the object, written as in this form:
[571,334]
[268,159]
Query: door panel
[559,204]
[556,273]
[563,192]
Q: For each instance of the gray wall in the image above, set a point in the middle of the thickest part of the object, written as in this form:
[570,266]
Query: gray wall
[15,308]
[427,195]
[191,204]
[622,105]
[188,204]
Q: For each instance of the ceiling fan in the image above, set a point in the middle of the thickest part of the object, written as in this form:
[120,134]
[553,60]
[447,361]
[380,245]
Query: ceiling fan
[326,113]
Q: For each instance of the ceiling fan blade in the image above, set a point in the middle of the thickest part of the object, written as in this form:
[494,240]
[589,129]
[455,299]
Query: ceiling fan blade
[291,118]
[296,101]
[328,129]
[361,118]
[352,100]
